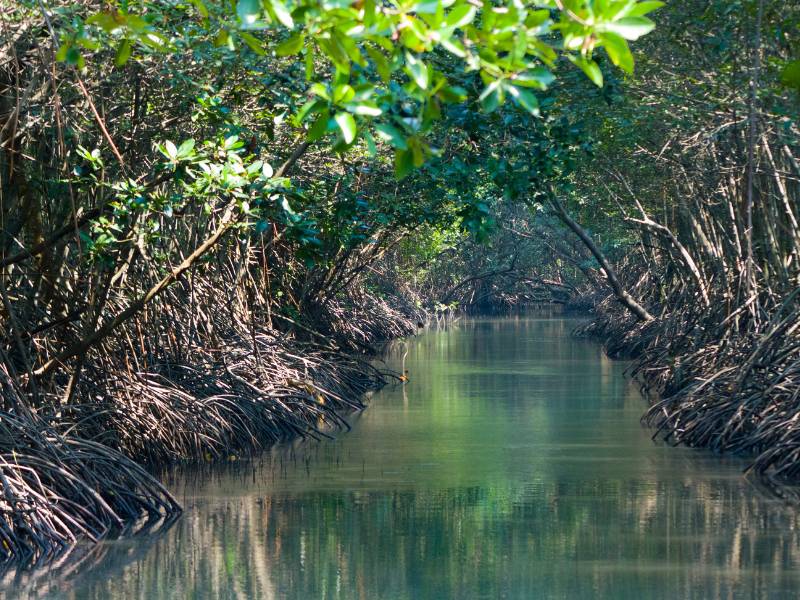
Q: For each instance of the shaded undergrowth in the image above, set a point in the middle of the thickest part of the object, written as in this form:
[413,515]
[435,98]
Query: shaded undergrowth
[203,385]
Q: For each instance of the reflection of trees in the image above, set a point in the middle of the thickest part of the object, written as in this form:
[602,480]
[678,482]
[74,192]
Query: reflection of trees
[551,540]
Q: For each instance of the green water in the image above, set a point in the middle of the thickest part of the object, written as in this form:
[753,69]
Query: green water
[512,465]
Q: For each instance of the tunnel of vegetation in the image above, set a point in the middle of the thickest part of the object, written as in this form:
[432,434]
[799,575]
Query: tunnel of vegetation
[213,212]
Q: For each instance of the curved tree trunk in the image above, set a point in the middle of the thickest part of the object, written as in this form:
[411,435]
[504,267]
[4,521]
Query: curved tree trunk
[639,311]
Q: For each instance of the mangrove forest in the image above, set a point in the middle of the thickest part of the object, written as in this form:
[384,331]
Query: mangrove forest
[402,299]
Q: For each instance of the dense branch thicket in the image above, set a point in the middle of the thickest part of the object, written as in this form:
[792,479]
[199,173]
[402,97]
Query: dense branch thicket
[205,225]
[712,198]
[211,213]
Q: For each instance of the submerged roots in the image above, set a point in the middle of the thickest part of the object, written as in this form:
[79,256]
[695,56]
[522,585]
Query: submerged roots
[731,385]
[218,389]
[58,489]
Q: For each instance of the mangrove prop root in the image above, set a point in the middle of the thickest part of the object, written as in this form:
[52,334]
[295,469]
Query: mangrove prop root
[731,385]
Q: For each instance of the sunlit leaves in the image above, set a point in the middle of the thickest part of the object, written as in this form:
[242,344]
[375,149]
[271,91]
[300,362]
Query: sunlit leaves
[293,45]
[281,12]
[524,98]
[343,93]
[121,29]
[618,51]
[407,53]
[366,108]
[630,28]
[460,16]
[538,78]
[170,150]
[418,70]
[492,96]
[347,125]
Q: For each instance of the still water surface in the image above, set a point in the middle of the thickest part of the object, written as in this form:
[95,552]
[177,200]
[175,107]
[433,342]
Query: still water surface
[511,465]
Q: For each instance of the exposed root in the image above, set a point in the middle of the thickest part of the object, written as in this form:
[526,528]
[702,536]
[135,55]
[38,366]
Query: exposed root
[731,385]
[59,489]
[217,407]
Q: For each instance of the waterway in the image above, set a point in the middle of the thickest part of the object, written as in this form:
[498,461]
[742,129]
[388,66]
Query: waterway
[512,464]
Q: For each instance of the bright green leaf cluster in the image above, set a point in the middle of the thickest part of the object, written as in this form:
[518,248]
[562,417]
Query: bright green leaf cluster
[386,68]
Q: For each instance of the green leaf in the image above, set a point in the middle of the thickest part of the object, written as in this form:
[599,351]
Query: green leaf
[790,76]
[403,163]
[291,46]
[642,8]
[461,15]
[347,125]
[320,90]
[74,57]
[630,28]
[248,11]
[493,95]
[61,54]
[418,71]
[222,38]
[538,19]
[320,127]
[333,50]
[123,53]
[186,148]
[172,151]
[372,149]
[253,43]
[454,47]
[153,40]
[589,67]
[310,63]
[343,93]
[392,135]
[282,13]
[525,99]
[201,8]
[368,109]
[452,94]
[427,7]
[618,51]
[106,21]
[416,151]
[538,78]
[88,43]
[381,63]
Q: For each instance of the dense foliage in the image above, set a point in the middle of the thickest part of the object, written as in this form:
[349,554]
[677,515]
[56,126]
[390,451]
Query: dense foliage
[206,205]
[210,208]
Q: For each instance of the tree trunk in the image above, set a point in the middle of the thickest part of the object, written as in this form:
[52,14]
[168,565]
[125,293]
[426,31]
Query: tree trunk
[624,297]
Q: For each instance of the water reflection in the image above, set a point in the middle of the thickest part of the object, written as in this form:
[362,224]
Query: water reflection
[512,465]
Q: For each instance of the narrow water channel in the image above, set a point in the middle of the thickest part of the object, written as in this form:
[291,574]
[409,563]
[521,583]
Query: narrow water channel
[511,465]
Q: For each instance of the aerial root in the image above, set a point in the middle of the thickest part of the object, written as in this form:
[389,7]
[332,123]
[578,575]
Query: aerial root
[731,385]
[59,489]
